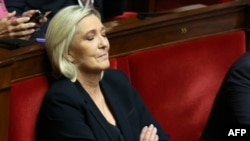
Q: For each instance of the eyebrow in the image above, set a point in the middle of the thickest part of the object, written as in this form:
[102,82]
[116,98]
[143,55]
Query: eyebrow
[94,31]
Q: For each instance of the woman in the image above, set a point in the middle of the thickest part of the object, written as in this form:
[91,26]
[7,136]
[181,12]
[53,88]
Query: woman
[89,101]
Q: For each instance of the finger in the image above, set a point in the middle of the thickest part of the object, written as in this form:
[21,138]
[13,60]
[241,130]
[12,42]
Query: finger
[156,138]
[143,133]
[8,16]
[30,13]
[14,22]
[21,27]
[149,132]
[12,14]
[22,33]
[153,134]
[43,20]
[20,20]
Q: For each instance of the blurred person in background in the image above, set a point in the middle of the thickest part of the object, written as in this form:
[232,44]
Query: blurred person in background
[12,27]
[107,8]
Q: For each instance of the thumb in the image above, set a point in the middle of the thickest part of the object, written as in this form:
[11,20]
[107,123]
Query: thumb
[10,15]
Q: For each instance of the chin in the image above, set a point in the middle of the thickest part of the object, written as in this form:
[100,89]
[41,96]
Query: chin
[106,65]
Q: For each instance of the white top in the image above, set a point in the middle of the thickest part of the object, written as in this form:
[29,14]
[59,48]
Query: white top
[85,2]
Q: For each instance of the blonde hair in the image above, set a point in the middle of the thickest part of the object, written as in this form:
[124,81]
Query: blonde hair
[59,36]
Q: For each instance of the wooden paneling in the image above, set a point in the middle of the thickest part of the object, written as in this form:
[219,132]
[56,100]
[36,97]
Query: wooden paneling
[136,34]
[5,77]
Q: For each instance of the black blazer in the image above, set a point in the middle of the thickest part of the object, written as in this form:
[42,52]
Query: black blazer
[231,108]
[69,114]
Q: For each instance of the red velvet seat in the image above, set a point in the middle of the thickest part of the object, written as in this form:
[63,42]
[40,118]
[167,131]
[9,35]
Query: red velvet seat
[125,15]
[179,82]
[25,100]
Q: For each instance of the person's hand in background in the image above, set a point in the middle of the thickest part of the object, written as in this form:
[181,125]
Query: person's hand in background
[19,27]
[31,13]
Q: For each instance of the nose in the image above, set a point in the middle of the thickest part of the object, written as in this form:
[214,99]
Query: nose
[103,42]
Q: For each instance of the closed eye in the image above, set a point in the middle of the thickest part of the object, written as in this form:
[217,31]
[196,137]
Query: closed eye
[89,38]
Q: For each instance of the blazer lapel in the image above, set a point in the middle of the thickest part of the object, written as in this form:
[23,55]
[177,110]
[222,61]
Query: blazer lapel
[117,110]
[94,110]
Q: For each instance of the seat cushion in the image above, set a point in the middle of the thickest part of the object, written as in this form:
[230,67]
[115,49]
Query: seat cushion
[25,100]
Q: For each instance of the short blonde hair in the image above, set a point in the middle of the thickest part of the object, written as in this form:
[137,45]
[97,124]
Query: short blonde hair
[59,36]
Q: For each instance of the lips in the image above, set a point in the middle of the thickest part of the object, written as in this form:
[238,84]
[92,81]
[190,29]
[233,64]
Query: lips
[103,56]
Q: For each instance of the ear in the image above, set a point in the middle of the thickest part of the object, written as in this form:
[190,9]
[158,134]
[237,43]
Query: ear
[68,57]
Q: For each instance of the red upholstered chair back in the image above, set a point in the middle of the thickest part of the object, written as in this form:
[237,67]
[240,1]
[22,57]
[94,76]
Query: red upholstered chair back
[25,100]
[179,82]
[125,15]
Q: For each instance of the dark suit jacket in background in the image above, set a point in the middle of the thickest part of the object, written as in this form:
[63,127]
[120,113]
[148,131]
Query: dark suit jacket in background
[69,114]
[107,8]
[231,109]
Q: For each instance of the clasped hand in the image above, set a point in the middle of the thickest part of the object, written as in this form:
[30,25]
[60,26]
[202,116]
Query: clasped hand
[19,27]
[149,133]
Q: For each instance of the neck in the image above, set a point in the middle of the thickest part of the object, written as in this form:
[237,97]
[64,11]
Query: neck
[90,81]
